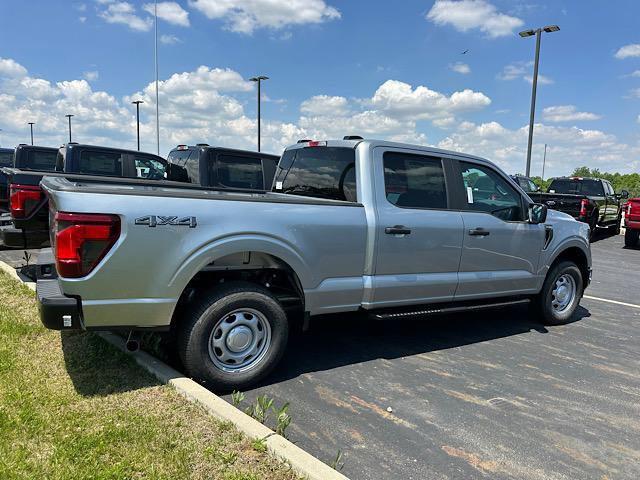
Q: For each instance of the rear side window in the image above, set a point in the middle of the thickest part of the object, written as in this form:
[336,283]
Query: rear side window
[40,160]
[577,187]
[321,172]
[235,171]
[95,162]
[6,159]
[150,168]
[414,181]
[192,167]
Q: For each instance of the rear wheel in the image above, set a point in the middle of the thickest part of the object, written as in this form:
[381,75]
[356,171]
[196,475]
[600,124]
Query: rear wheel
[631,238]
[233,336]
[560,294]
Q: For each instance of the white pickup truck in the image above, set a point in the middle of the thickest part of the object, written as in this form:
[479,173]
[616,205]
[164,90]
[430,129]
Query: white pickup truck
[392,229]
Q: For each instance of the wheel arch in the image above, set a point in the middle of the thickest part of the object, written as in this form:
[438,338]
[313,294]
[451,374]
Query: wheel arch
[576,255]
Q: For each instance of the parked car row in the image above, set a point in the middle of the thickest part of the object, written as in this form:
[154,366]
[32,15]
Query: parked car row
[28,223]
[391,230]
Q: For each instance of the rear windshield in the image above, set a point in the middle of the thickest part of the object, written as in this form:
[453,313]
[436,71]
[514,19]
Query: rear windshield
[322,172]
[38,160]
[577,187]
[6,159]
[237,171]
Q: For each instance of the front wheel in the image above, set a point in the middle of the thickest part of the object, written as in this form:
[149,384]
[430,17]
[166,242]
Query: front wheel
[560,294]
[233,336]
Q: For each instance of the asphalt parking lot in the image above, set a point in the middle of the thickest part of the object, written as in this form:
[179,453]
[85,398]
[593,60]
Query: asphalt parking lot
[493,395]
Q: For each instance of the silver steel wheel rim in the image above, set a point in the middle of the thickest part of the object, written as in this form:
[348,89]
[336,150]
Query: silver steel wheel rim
[239,340]
[563,293]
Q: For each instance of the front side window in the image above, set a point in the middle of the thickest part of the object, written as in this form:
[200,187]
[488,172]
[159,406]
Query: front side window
[486,191]
[235,171]
[414,181]
[149,168]
[95,162]
[321,172]
[40,160]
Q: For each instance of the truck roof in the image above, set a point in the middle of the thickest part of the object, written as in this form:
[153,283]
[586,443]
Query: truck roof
[73,145]
[205,146]
[372,143]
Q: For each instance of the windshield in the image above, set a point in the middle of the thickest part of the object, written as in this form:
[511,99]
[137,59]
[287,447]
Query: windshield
[322,172]
[577,187]
[6,159]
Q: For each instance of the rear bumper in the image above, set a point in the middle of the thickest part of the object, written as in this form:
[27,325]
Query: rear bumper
[16,238]
[57,311]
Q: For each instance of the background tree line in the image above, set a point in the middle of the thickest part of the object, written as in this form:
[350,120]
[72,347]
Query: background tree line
[626,181]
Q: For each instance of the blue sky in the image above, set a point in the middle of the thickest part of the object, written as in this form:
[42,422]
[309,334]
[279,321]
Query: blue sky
[382,69]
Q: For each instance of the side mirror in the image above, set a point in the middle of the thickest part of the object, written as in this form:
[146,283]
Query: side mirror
[537,213]
[624,194]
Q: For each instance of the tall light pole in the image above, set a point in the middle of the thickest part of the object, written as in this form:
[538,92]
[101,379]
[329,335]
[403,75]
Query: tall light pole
[155,54]
[544,160]
[69,117]
[538,33]
[31,124]
[258,80]
[137,104]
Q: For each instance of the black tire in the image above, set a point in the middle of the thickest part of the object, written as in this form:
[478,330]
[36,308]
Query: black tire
[196,330]
[615,228]
[542,303]
[631,238]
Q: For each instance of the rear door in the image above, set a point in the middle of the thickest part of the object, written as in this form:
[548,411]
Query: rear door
[501,250]
[418,237]
[612,203]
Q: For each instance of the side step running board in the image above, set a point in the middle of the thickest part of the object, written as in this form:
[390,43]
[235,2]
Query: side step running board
[447,309]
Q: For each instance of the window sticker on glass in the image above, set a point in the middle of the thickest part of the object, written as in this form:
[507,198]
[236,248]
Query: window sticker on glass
[469,195]
[278,185]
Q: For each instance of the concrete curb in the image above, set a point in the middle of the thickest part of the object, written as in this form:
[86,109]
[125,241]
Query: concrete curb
[300,461]
[5,267]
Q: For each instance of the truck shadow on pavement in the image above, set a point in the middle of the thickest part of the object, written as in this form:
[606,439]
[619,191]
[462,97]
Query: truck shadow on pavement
[339,340]
[99,369]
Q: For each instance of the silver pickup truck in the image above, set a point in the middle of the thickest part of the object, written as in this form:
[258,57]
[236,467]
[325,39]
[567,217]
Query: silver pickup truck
[351,225]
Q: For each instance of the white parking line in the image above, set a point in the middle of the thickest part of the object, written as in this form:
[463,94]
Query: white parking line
[632,305]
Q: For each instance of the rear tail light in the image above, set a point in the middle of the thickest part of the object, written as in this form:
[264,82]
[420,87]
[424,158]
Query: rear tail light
[583,207]
[81,240]
[23,199]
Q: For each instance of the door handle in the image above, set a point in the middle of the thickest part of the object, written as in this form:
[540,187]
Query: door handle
[397,230]
[479,232]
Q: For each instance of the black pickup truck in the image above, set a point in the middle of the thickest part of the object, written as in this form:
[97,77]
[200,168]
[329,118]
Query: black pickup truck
[222,168]
[24,157]
[589,200]
[28,207]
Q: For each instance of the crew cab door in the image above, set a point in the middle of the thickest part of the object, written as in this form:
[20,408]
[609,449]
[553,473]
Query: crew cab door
[612,203]
[501,250]
[418,238]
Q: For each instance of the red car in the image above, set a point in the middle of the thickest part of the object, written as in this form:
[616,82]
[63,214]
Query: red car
[632,222]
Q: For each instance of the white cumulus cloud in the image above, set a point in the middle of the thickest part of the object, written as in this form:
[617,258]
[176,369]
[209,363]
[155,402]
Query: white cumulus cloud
[125,13]
[465,15]
[522,70]
[567,113]
[91,75]
[460,67]
[169,39]
[170,12]
[10,68]
[244,16]
[631,50]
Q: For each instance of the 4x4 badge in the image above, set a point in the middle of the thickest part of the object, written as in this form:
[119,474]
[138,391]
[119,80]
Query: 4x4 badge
[158,220]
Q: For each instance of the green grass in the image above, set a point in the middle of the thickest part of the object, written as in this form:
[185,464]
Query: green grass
[72,406]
